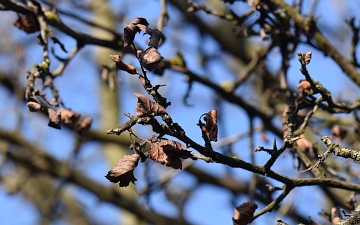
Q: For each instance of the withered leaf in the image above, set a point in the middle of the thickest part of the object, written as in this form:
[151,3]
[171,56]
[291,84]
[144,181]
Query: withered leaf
[169,153]
[34,106]
[243,214]
[29,24]
[155,35]
[124,171]
[149,58]
[146,107]
[68,117]
[54,119]
[123,66]
[84,125]
[131,29]
[211,128]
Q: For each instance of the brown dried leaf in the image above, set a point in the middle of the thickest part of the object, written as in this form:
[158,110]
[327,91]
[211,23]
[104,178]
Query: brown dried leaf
[124,171]
[129,34]
[211,128]
[131,29]
[169,153]
[146,107]
[155,35]
[123,66]
[54,119]
[243,214]
[34,106]
[68,117]
[149,58]
[29,24]
[84,125]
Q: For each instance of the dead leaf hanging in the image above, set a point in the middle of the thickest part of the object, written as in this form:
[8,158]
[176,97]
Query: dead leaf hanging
[123,66]
[131,29]
[146,107]
[29,24]
[243,214]
[149,58]
[211,128]
[155,35]
[124,171]
[169,153]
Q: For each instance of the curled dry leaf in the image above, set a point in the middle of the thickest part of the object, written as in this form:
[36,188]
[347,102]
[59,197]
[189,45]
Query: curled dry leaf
[131,29]
[68,117]
[243,214]
[146,107]
[149,58]
[54,119]
[155,35]
[211,128]
[84,125]
[123,66]
[169,153]
[29,24]
[124,171]
[307,57]
[34,106]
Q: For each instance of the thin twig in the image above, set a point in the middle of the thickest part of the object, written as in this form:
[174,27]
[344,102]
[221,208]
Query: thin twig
[58,71]
[273,204]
